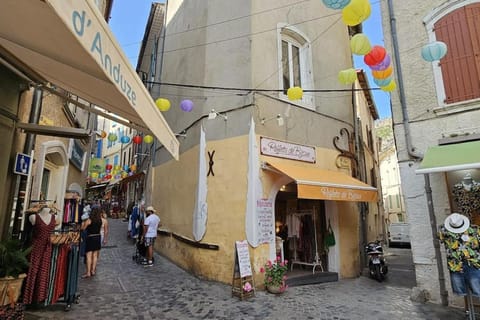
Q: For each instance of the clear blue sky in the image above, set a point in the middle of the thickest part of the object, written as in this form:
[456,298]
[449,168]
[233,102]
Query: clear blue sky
[129,18]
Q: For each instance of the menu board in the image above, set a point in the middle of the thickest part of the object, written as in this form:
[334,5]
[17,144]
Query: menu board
[266,228]
[243,258]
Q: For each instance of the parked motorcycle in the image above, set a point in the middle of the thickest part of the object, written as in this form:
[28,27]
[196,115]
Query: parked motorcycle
[377,264]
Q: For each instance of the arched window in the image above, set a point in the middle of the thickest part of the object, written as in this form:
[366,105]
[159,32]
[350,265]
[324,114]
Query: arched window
[457,76]
[295,62]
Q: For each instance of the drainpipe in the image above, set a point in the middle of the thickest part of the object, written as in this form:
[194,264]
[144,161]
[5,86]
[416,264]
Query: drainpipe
[416,155]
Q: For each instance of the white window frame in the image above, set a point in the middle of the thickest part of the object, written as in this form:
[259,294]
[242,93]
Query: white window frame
[429,22]
[294,36]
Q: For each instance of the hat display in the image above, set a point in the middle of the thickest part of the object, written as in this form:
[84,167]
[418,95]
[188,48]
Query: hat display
[457,223]
[150,208]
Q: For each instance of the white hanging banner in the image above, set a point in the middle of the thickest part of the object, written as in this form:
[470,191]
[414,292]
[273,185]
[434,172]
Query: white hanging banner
[254,191]
[200,212]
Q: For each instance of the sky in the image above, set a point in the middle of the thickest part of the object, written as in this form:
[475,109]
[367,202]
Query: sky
[129,18]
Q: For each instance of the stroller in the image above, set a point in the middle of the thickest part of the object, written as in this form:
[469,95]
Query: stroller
[140,251]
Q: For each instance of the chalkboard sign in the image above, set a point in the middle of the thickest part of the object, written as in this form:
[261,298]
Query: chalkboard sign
[242,260]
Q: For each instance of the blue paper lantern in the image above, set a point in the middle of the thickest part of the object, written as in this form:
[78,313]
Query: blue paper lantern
[186,105]
[434,51]
[382,82]
[124,139]
[336,4]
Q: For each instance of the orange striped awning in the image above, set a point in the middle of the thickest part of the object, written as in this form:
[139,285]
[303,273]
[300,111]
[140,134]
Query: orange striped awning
[315,183]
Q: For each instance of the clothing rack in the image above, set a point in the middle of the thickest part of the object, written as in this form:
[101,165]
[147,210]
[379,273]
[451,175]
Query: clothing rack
[295,260]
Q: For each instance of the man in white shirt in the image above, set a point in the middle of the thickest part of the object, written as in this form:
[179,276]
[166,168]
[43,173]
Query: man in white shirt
[150,226]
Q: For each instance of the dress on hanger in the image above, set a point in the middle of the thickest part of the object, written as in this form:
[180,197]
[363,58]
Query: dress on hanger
[37,278]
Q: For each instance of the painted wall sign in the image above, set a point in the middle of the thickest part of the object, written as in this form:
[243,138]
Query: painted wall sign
[265,219]
[287,150]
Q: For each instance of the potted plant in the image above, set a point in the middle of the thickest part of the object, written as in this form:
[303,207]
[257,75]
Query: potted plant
[13,267]
[275,275]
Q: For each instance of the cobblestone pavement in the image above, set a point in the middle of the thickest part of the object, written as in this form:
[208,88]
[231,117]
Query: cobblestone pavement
[122,289]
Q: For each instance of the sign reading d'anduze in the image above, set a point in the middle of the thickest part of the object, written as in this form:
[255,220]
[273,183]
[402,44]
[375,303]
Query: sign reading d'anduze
[282,149]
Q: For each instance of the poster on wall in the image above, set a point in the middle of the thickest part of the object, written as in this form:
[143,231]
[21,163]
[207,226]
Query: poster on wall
[266,228]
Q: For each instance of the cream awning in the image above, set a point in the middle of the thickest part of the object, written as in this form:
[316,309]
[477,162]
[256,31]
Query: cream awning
[68,44]
[315,183]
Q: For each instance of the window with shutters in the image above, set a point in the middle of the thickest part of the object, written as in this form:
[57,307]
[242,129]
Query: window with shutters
[458,73]
[295,63]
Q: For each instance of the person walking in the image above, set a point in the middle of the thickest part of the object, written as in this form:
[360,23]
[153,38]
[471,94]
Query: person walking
[150,226]
[93,241]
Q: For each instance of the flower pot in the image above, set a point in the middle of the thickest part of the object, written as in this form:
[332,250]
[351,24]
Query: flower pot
[275,289]
[10,288]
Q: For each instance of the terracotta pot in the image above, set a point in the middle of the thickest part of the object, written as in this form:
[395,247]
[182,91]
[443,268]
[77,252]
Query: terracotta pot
[275,289]
[10,288]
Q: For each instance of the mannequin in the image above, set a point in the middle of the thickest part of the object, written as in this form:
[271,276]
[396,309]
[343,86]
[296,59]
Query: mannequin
[45,213]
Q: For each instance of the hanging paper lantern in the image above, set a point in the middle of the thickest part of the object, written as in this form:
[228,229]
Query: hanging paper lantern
[347,76]
[434,51]
[108,176]
[112,137]
[108,167]
[125,139]
[390,87]
[133,168]
[375,56]
[103,134]
[382,74]
[162,104]
[186,105]
[118,167]
[295,93]
[124,175]
[336,4]
[137,139]
[148,139]
[356,12]
[94,175]
[360,44]
[382,65]
[382,82]
[126,167]
[130,174]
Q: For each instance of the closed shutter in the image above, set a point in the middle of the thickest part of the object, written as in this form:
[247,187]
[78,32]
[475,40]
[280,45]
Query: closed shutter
[460,30]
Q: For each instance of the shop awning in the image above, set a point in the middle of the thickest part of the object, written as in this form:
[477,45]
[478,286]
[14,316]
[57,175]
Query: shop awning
[68,44]
[314,183]
[451,157]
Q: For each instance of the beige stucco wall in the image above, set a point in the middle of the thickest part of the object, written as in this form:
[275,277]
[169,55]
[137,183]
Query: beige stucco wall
[174,187]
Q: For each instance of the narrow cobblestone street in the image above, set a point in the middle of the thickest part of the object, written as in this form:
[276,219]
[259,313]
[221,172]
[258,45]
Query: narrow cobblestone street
[122,289]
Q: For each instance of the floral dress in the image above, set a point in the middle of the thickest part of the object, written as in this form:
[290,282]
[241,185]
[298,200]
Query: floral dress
[461,248]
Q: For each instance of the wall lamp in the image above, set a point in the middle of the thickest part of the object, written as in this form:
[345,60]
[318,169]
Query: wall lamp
[278,117]
[182,134]
[213,114]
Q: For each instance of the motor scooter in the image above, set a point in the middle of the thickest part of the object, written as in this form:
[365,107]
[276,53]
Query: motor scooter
[377,264]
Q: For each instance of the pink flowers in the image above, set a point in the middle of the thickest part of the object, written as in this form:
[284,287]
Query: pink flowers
[247,287]
[275,273]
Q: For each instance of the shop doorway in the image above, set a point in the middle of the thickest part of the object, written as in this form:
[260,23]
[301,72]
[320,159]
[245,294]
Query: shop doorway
[301,227]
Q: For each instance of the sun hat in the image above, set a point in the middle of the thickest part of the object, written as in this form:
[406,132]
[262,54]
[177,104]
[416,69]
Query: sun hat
[150,208]
[457,223]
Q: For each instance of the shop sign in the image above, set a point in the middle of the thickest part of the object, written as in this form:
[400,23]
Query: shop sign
[22,164]
[77,155]
[265,221]
[287,150]
[242,260]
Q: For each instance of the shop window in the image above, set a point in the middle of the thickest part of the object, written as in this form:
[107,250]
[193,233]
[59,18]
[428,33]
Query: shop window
[295,63]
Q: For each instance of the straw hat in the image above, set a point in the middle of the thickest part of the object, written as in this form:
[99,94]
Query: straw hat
[150,208]
[457,223]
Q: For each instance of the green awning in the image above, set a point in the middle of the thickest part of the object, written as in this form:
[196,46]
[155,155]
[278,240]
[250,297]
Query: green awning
[452,157]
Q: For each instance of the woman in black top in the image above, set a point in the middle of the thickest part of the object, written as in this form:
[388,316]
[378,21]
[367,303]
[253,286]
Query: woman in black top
[93,241]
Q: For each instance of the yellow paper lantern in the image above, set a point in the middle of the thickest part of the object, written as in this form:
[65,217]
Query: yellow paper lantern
[383,74]
[390,87]
[360,44]
[103,134]
[162,104]
[295,93]
[148,139]
[347,76]
[94,175]
[133,168]
[124,174]
[356,12]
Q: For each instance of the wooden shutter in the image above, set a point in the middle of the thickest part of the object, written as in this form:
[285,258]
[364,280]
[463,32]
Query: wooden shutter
[460,30]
